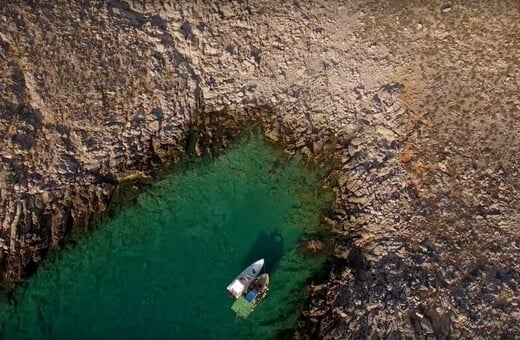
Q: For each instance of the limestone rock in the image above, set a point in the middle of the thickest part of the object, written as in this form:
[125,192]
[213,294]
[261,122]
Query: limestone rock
[415,107]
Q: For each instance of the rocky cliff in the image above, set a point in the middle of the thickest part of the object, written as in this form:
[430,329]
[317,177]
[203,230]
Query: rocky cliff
[415,104]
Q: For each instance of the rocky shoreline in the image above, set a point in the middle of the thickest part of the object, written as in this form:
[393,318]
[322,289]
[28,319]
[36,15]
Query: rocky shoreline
[415,105]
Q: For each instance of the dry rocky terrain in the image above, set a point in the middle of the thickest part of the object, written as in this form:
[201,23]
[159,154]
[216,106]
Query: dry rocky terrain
[416,104]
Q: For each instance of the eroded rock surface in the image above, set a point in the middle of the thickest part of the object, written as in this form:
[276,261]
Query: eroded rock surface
[416,104]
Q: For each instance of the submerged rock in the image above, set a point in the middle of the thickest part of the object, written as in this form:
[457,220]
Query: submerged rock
[312,247]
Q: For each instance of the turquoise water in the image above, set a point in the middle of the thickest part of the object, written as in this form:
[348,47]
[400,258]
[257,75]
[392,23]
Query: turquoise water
[159,268]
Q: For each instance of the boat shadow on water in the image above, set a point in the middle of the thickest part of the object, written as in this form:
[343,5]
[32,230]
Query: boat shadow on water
[270,247]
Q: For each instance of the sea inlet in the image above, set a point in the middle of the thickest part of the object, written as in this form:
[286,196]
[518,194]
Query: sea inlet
[159,267]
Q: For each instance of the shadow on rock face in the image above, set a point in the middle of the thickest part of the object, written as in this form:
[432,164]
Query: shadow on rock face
[29,122]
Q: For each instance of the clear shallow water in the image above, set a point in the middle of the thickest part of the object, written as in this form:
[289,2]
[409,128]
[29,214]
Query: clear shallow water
[160,267]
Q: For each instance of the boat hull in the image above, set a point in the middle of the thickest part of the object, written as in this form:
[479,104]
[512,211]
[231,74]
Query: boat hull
[240,284]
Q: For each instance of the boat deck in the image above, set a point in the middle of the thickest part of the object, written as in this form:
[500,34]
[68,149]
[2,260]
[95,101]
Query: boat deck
[242,307]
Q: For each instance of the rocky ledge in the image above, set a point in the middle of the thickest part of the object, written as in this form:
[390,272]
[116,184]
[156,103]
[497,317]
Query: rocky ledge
[415,104]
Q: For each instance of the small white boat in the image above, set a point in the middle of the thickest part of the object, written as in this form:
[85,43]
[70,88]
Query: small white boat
[239,285]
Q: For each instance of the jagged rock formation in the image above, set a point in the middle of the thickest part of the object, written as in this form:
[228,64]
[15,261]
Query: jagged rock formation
[415,103]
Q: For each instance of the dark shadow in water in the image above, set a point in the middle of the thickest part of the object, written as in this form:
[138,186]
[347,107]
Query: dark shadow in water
[268,246]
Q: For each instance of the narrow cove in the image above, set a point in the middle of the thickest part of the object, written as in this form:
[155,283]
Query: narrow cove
[159,268]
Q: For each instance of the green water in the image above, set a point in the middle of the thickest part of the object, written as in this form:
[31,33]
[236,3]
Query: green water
[159,268]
